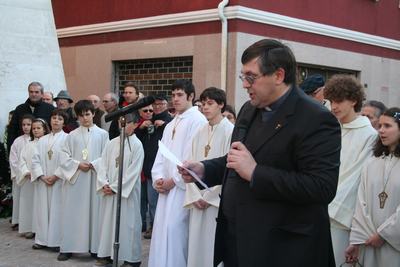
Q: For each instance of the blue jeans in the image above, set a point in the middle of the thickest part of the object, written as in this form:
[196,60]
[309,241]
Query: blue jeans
[143,205]
[152,197]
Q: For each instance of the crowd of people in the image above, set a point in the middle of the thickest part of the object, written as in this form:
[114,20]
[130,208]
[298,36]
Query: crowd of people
[304,176]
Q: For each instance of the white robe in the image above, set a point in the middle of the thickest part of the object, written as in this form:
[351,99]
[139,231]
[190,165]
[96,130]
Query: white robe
[369,218]
[27,197]
[202,223]
[130,223]
[80,229]
[169,241]
[358,139]
[15,155]
[47,208]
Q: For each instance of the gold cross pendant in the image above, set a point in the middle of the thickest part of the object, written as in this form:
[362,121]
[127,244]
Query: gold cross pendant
[382,199]
[206,150]
[85,154]
[173,134]
[50,154]
[116,162]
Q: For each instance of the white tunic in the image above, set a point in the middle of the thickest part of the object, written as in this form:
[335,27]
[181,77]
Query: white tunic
[27,198]
[130,224]
[169,241]
[202,223]
[15,155]
[47,208]
[369,218]
[358,139]
[80,230]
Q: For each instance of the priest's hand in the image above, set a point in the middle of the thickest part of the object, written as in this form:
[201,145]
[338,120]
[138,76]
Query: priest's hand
[84,166]
[201,204]
[241,160]
[195,166]
[351,253]
[375,241]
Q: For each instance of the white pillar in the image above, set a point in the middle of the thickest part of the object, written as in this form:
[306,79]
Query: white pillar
[29,52]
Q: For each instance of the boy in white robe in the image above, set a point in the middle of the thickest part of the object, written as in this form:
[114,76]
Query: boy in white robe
[47,186]
[80,158]
[27,224]
[15,154]
[169,241]
[358,137]
[211,141]
[375,229]
[130,249]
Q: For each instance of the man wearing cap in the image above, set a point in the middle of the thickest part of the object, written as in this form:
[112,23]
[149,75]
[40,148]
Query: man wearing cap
[313,86]
[150,139]
[64,101]
[33,105]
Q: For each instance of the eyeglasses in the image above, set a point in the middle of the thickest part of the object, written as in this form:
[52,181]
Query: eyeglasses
[106,101]
[249,78]
[147,110]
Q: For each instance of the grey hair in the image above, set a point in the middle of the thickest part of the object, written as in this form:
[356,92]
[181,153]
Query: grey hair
[36,84]
[379,107]
[114,98]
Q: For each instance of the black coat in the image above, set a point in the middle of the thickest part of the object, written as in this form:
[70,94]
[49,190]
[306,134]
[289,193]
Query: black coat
[42,110]
[282,215]
[150,141]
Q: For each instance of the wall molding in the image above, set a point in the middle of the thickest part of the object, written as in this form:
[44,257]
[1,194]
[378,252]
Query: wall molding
[231,12]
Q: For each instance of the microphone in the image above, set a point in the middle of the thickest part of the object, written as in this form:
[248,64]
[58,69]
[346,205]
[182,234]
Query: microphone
[241,132]
[144,102]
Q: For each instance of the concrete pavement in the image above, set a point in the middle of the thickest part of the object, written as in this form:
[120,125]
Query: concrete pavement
[16,251]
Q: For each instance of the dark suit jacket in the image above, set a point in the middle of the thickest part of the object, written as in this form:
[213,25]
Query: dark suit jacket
[282,215]
[42,110]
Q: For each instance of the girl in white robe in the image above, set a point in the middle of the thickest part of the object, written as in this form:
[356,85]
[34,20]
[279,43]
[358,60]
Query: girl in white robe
[27,198]
[47,186]
[130,249]
[375,231]
[211,141]
[15,155]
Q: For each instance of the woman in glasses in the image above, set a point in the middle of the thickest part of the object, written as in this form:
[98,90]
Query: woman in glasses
[144,129]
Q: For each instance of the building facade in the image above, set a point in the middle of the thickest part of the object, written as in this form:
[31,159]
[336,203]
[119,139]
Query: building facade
[104,43]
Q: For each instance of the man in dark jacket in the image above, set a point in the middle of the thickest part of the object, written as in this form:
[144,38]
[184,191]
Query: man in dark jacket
[280,173]
[150,137]
[33,105]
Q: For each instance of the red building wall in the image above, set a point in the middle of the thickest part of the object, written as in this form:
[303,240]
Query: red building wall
[77,12]
[380,18]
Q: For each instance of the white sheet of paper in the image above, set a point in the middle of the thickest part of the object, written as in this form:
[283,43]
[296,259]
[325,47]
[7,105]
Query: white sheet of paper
[171,157]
